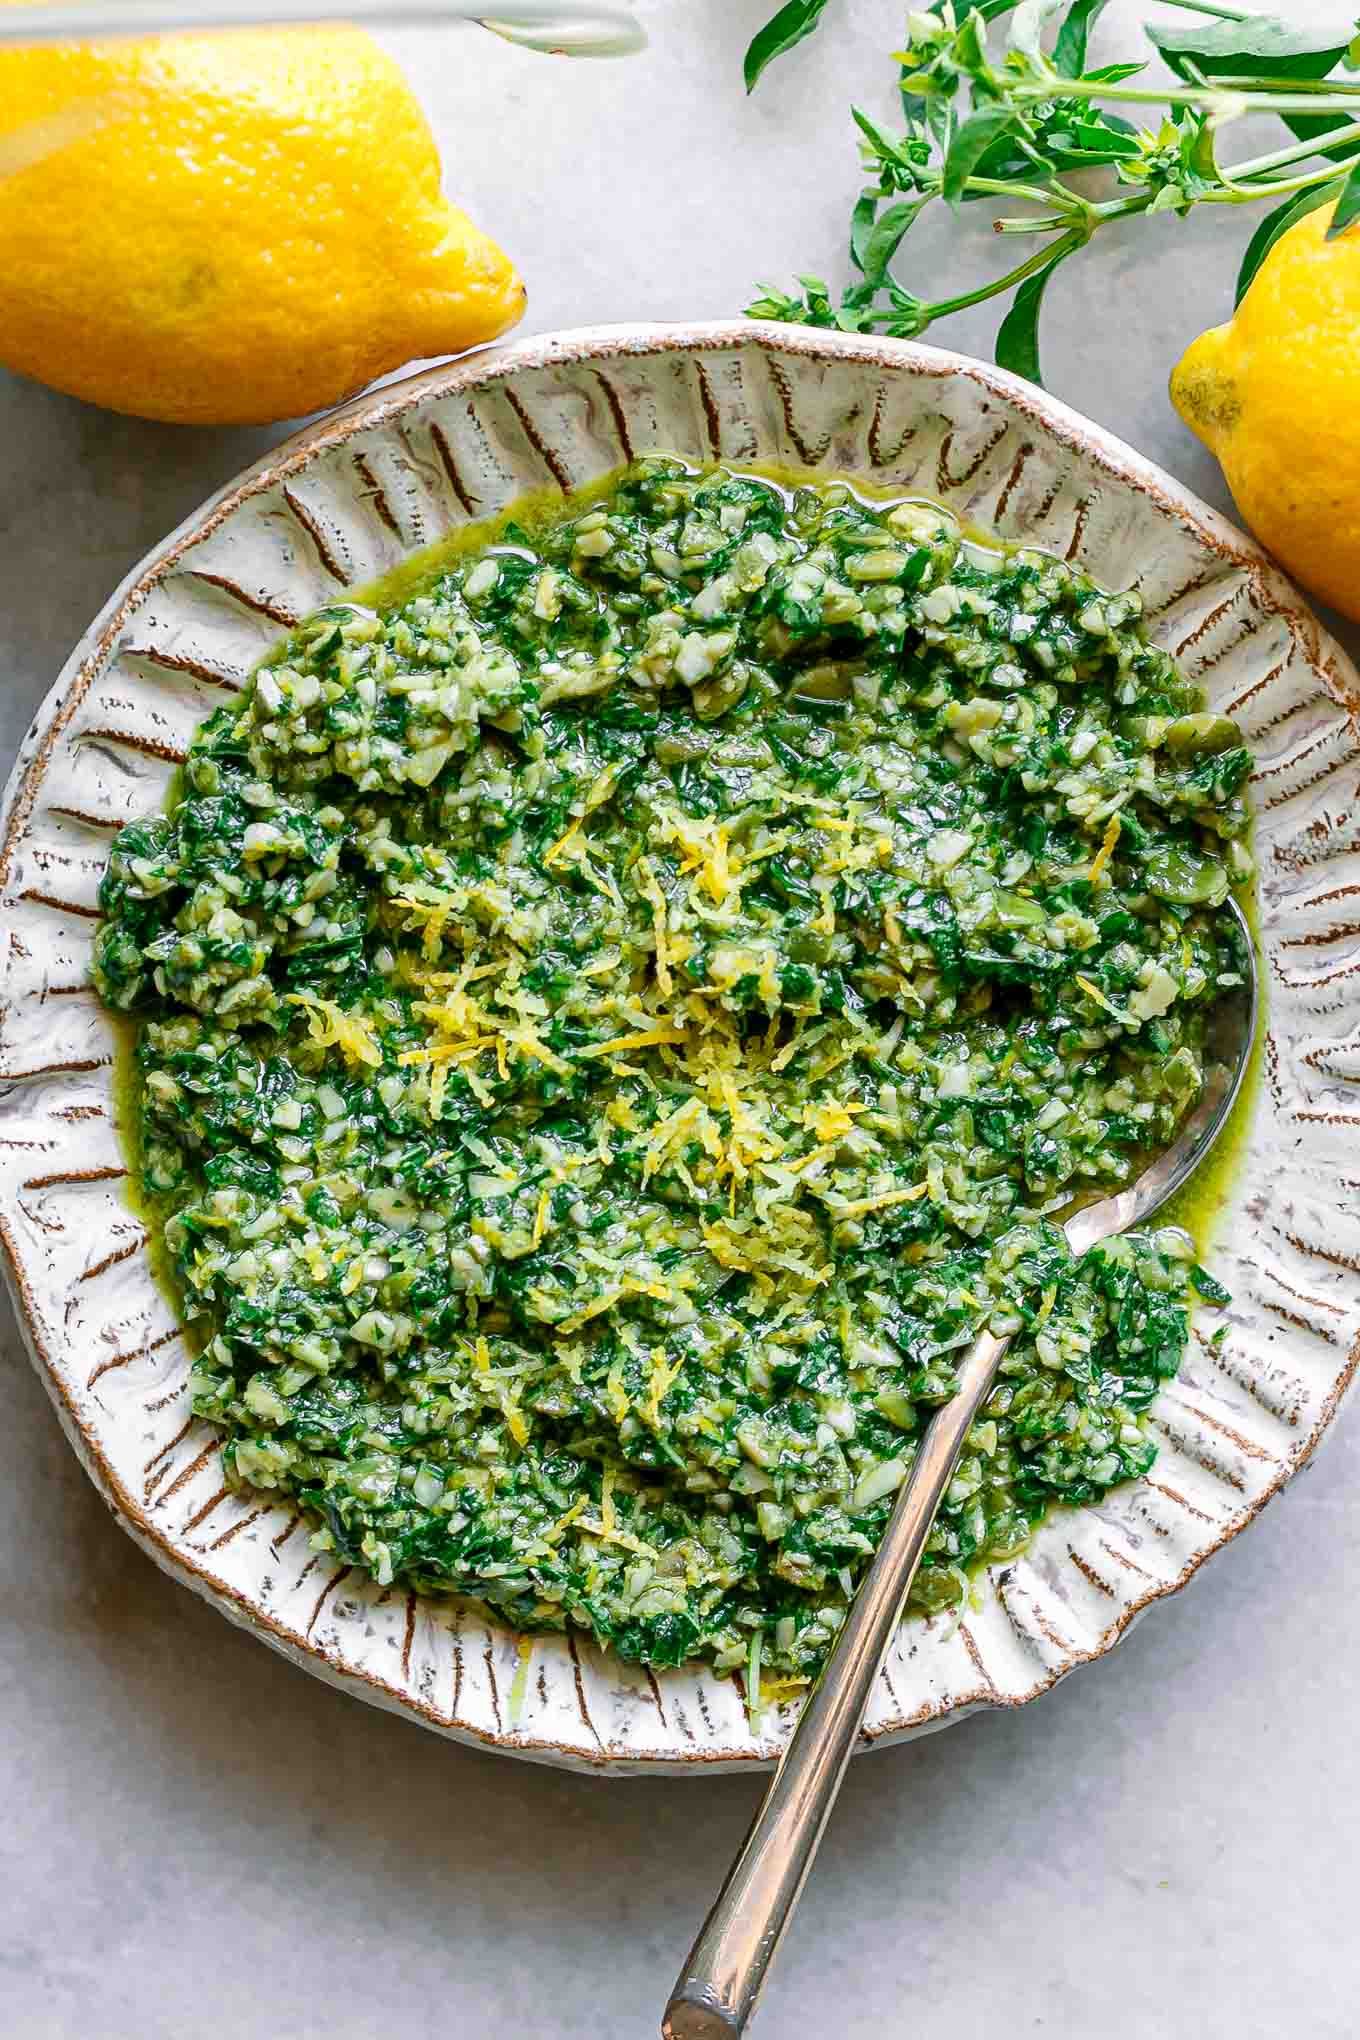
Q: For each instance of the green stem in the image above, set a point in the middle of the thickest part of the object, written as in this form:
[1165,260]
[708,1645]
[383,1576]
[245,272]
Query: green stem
[1243,81]
[1123,208]
[1188,95]
[1202,7]
[1252,194]
[999,187]
[1039,260]
[1045,223]
[1320,145]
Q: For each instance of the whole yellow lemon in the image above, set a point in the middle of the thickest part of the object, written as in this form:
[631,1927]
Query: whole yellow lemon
[229,228]
[1276,395]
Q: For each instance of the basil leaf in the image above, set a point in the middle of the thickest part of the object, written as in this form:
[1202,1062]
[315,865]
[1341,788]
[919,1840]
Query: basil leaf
[1211,1290]
[1348,205]
[862,226]
[988,9]
[1031,18]
[886,238]
[1085,140]
[1261,46]
[1277,223]
[970,144]
[1069,51]
[1017,340]
[1114,74]
[887,152]
[781,33]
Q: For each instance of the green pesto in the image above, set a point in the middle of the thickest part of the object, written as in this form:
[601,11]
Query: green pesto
[621,1005]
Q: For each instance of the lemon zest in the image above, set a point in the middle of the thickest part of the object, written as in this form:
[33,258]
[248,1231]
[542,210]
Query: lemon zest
[1106,850]
[1094,992]
[647,1037]
[863,1204]
[329,1027]
[651,891]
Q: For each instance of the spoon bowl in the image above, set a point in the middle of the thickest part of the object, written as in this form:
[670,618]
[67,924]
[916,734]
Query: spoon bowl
[1231,1037]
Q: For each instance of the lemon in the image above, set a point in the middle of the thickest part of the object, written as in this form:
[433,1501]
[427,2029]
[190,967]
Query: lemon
[229,228]
[1275,394]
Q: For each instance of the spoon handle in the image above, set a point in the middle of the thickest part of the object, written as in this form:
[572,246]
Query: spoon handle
[718,1986]
[558,27]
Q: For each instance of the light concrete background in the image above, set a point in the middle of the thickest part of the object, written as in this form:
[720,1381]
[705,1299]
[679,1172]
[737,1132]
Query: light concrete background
[196,1840]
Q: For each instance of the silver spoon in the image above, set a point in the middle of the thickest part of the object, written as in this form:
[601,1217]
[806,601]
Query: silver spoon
[568,28]
[717,1989]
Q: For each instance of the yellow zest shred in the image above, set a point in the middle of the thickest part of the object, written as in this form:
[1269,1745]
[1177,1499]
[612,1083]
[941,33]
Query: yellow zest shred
[662,1381]
[615,1390]
[481,1091]
[667,1133]
[649,887]
[596,795]
[594,1309]
[704,852]
[329,1027]
[627,1542]
[790,1049]
[439,1078]
[646,1037]
[1106,850]
[431,916]
[831,1120]
[1094,992]
[555,850]
[465,1027]
[863,1204]
[716,877]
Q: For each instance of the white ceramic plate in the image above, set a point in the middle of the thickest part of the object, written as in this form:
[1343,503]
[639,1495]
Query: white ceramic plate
[346,500]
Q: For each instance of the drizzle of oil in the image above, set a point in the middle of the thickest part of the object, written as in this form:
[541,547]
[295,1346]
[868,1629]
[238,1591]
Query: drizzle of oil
[128,1101]
[531,513]
[150,1210]
[1199,1205]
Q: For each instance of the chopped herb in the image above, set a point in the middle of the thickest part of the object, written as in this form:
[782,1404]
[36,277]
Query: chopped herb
[1212,1291]
[615,1021]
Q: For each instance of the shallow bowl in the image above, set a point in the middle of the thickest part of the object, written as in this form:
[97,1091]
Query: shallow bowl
[394,472]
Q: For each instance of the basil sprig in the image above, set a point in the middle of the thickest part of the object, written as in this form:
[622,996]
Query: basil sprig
[1028,124]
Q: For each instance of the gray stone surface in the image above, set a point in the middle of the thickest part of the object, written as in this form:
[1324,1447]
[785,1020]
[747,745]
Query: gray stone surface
[199,1841]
